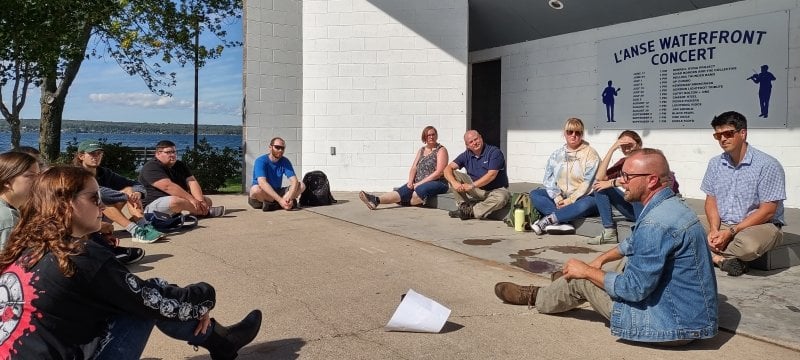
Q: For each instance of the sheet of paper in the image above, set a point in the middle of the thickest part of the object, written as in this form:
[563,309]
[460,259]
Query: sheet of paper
[416,313]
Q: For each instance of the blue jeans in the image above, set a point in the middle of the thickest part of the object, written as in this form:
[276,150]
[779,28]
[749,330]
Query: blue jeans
[607,198]
[583,207]
[430,188]
[127,336]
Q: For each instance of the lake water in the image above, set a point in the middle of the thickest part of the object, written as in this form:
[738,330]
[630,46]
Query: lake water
[132,140]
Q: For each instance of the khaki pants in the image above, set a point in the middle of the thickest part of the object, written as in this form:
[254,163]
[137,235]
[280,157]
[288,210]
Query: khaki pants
[751,242]
[563,295]
[487,201]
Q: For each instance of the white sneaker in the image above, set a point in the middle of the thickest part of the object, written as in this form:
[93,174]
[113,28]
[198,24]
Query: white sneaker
[560,229]
[539,225]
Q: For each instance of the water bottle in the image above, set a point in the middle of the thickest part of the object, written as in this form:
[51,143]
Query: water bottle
[519,219]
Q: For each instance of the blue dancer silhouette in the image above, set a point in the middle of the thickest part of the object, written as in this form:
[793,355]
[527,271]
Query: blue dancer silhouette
[608,98]
[764,80]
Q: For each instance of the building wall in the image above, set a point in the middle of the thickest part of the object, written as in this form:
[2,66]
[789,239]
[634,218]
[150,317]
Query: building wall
[273,79]
[546,81]
[374,74]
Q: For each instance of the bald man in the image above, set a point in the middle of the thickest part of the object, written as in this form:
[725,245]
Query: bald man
[667,293]
[484,188]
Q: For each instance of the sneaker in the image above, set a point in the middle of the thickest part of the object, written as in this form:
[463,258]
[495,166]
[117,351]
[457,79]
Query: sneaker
[128,255]
[368,199]
[255,204]
[146,234]
[560,229]
[609,236]
[539,226]
[216,211]
[454,214]
[734,267]
[465,211]
[270,206]
[516,294]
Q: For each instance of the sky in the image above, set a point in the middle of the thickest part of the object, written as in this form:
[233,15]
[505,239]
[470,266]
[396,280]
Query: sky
[103,91]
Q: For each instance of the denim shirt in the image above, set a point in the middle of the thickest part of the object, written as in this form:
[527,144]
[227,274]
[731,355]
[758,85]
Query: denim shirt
[668,290]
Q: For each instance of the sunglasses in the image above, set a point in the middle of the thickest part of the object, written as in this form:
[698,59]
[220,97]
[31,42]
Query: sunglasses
[726,134]
[94,196]
[278,147]
[573,132]
[627,177]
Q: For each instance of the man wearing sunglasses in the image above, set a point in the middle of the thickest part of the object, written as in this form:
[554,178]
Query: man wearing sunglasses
[745,189]
[269,169]
[666,293]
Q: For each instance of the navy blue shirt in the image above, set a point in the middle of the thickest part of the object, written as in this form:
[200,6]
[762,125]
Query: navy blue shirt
[491,158]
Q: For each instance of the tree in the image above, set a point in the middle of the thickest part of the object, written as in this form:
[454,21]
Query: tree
[142,36]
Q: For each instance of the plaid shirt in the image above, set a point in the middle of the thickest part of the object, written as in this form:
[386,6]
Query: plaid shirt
[740,190]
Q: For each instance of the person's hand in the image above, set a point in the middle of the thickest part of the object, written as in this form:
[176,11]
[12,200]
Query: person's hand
[199,206]
[718,240]
[202,324]
[286,202]
[575,269]
[596,263]
[561,203]
[135,197]
[410,184]
[602,184]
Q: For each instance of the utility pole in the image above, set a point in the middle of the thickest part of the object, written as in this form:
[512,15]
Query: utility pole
[196,70]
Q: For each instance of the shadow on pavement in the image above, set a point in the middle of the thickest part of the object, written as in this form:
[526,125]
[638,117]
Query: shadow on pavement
[273,350]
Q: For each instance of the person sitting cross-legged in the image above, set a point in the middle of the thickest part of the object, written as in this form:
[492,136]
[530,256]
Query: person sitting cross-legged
[666,293]
[117,192]
[171,188]
[269,169]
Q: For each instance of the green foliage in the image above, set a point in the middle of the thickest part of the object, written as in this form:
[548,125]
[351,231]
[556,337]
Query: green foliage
[118,158]
[212,166]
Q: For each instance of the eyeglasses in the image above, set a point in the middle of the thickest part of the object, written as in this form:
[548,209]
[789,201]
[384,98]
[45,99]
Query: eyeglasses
[94,196]
[431,134]
[726,134]
[573,132]
[627,177]
[169,152]
[279,147]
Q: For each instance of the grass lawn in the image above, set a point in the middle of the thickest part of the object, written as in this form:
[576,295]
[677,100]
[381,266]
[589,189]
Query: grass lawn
[232,186]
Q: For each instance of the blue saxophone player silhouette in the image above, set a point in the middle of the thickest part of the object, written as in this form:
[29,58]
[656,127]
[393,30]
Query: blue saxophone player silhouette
[608,98]
[764,80]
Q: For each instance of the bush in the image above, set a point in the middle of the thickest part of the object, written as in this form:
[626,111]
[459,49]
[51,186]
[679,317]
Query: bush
[212,166]
[119,159]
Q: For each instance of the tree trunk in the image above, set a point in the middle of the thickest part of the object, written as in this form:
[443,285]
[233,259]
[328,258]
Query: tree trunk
[14,123]
[50,126]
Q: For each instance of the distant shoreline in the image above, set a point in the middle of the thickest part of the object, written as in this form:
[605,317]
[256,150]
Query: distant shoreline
[112,127]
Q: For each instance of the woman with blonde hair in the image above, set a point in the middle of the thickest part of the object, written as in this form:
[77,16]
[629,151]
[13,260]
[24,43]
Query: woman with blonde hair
[567,184]
[66,297]
[17,172]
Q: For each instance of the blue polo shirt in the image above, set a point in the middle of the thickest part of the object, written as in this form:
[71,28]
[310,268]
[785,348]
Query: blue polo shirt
[273,171]
[491,158]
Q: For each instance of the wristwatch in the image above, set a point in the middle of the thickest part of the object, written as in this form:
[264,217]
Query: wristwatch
[732,229]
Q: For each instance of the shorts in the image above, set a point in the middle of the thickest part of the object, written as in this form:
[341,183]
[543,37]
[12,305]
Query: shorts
[430,188]
[159,205]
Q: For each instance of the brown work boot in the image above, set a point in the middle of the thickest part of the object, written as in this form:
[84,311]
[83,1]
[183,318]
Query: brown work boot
[516,294]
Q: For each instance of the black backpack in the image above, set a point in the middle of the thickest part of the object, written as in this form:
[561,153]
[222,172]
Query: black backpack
[318,190]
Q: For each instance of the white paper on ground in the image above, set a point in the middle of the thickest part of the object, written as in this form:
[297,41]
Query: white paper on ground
[417,313]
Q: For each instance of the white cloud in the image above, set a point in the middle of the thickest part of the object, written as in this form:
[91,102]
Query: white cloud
[149,100]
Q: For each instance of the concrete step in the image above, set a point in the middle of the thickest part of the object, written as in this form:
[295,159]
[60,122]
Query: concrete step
[783,256]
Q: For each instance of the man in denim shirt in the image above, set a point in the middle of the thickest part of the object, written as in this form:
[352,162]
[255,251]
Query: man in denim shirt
[667,293]
[745,189]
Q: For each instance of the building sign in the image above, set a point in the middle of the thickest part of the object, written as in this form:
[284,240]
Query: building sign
[683,77]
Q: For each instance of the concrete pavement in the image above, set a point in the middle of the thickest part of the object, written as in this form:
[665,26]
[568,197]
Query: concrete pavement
[330,281]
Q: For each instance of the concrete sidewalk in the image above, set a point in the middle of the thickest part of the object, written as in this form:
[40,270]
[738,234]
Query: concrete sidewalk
[329,278]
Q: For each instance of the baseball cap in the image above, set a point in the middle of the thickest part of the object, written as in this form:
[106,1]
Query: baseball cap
[89,146]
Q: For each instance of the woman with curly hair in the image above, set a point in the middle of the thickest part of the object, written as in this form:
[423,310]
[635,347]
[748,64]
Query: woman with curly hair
[17,172]
[65,297]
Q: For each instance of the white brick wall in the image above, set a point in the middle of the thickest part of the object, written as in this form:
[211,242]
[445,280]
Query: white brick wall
[534,107]
[273,78]
[374,74]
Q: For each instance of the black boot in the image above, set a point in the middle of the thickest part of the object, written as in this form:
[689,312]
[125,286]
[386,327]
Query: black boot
[224,342]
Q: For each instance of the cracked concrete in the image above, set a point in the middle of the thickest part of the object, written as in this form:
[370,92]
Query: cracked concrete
[327,287]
